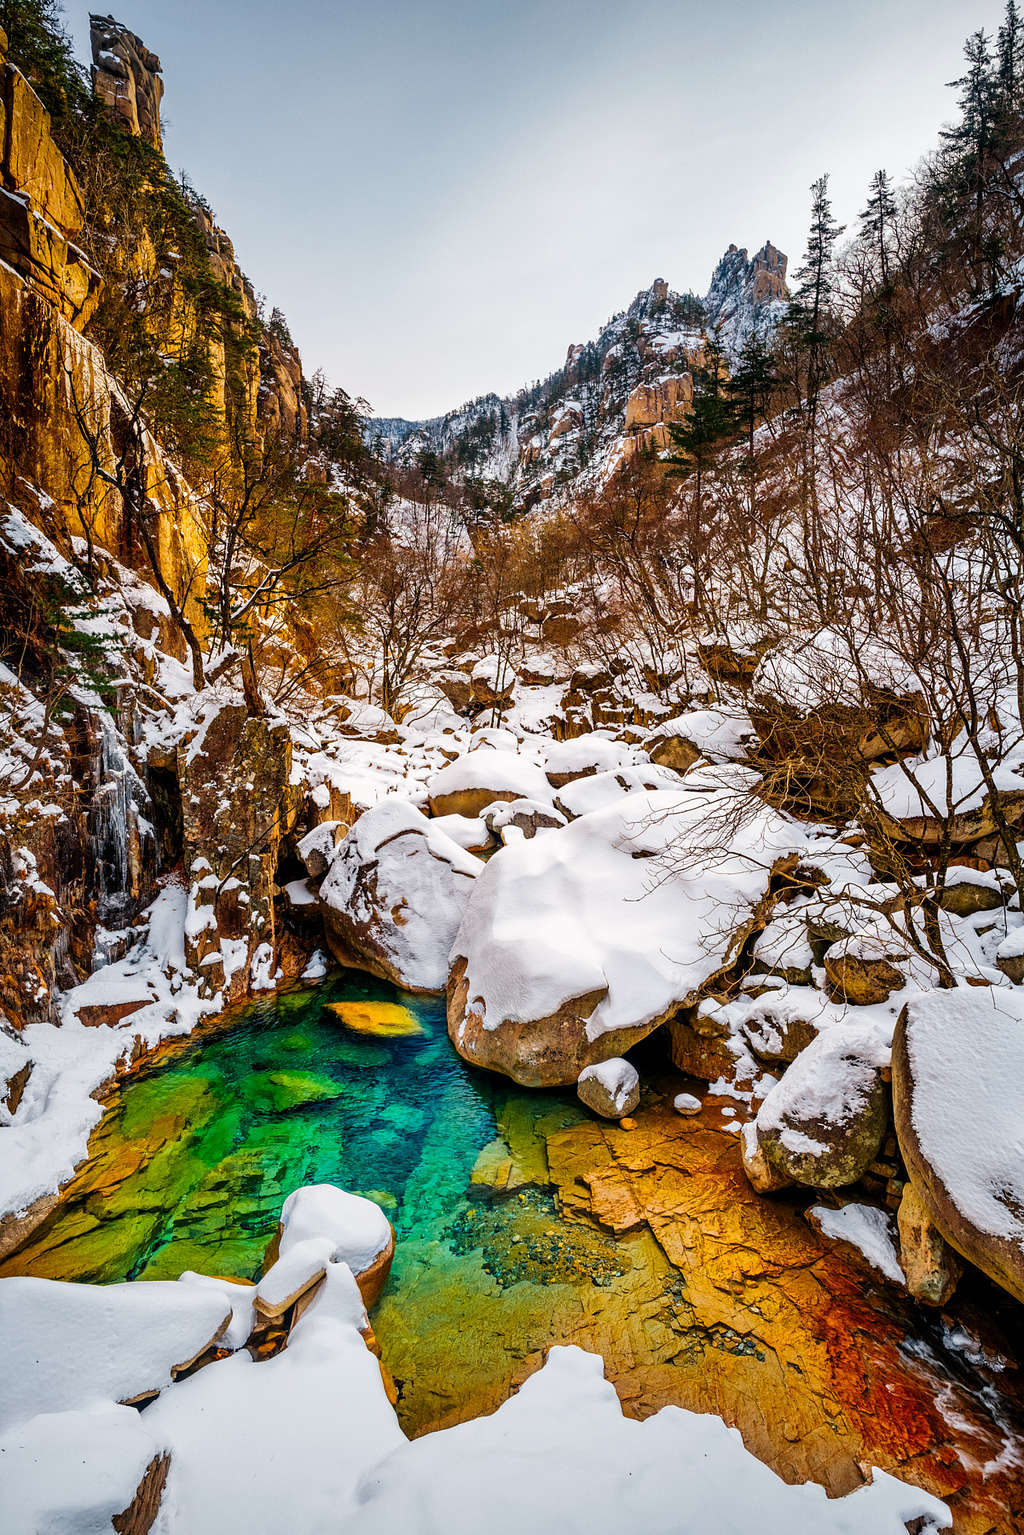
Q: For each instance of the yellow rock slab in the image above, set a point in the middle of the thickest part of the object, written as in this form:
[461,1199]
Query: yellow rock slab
[385,1020]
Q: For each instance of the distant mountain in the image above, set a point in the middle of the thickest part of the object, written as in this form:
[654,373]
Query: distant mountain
[612,396]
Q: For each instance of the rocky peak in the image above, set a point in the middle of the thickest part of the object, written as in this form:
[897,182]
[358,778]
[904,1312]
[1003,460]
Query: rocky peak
[747,296]
[126,78]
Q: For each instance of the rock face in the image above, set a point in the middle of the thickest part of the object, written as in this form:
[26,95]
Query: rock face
[824,1123]
[747,296]
[394,896]
[126,78]
[668,400]
[41,208]
[236,807]
[931,1266]
[958,1078]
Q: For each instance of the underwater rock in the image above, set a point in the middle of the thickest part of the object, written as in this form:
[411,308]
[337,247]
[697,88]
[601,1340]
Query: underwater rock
[387,1020]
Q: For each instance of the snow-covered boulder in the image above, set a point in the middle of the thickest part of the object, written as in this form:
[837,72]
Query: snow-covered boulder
[394,896]
[492,682]
[322,1224]
[582,757]
[67,1346]
[823,1124]
[471,833]
[611,1088]
[580,942]
[719,735]
[317,847]
[480,778]
[525,816]
[958,1087]
[864,969]
[820,694]
[595,792]
[457,687]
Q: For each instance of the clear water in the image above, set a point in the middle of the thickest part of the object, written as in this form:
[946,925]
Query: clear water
[196,1154]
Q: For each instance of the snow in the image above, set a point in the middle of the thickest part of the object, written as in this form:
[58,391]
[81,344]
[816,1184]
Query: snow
[610,904]
[308,1441]
[279,1445]
[293,1273]
[94,1460]
[686,1103]
[48,1136]
[403,882]
[720,734]
[828,1082]
[618,1077]
[494,672]
[356,1230]
[933,786]
[498,773]
[824,668]
[966,1055]
[560,1456]
[866,1228]
[602,790]
[588,754]
[70,1345]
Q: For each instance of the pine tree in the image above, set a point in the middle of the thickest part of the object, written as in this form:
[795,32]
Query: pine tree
[809,310]
[749,391]
[969,149]
[877,220]
[711,422]
[1010,57]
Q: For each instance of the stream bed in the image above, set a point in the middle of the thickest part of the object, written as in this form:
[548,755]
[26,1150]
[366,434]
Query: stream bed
[521,1220]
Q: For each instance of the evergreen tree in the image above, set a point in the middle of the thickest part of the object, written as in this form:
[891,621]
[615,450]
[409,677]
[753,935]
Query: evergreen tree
[809,311]
[749,391]
[1010,57]
[877,220]
[711,422]
[969,147]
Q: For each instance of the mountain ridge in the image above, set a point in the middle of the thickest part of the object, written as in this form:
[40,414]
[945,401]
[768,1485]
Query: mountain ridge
[614,396]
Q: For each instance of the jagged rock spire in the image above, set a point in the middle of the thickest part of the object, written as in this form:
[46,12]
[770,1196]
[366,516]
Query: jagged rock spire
[126,78]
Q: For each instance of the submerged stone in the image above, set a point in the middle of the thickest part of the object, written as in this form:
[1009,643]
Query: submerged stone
[387,1020]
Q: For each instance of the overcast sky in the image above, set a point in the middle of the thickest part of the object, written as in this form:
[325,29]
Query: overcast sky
[441,195]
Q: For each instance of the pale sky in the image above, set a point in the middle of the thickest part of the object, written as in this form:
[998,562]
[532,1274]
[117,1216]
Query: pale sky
[442,195]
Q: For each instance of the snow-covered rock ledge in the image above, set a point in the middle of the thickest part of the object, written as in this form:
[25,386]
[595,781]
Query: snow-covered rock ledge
[47,1136]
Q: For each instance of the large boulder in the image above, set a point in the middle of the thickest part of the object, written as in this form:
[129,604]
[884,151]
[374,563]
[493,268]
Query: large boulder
[577,943]
[481,778]
[931,1266]
[864,969]
[394,896]
[829,694]
[320,1224]
[719,735]
[824,1123]
[582,757]
[958,1086]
